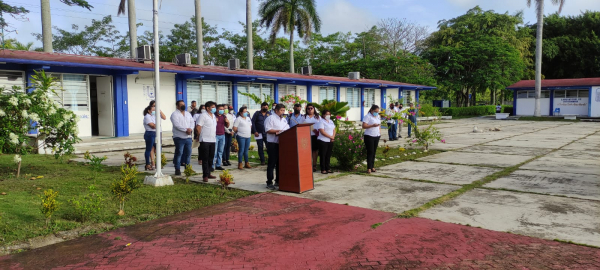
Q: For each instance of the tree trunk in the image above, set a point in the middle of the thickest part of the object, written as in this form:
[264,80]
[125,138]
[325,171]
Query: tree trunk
[19,169]
[199,37]
[538,58]
[249,34]
[292,51]
[46,26]
[132,28]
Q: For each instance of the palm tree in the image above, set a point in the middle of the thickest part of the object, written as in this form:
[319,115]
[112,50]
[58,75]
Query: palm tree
[538,49]
[13,44]
[47,22]
[291,15]
[132,25]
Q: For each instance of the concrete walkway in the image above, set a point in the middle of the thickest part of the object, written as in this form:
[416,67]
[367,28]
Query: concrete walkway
[269,231]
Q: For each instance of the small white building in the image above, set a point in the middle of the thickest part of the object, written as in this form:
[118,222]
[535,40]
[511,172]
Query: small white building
[559,97]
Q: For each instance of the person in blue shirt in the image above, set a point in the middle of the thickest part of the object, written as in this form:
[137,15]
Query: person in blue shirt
[258,129]
[296,118]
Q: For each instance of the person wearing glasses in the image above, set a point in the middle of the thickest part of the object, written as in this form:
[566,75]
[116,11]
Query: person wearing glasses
[312,117]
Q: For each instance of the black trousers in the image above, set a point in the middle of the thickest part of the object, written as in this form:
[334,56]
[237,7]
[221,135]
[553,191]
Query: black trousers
[207,150]
[273,152]
[371,145]
[325,149]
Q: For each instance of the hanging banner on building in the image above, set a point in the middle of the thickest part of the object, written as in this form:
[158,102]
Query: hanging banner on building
[148,92]
[575,102]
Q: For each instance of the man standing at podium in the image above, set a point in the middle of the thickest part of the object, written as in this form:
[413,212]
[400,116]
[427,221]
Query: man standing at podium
[274,125]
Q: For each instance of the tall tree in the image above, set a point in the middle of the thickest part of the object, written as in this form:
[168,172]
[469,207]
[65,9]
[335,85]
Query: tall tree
[132,25]
[538,49]
[199,34]
[249,34]
[47,19]
[293,16]
[401,35]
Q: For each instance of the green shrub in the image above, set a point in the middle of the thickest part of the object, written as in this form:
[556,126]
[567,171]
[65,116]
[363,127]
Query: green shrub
[474,110]
[87,206]
[349,148]
[427,110]
[49,204]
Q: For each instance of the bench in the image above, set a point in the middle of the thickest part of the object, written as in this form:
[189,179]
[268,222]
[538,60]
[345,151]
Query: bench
[570,116]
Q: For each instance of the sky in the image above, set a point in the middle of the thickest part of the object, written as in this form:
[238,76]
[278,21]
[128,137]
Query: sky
[336,15]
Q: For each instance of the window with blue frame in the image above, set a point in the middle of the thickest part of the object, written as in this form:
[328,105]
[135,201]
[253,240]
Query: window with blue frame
[10,79]
[327,93]
[258,89]
[369,98]
[73,91]
[353,97]
[204,91]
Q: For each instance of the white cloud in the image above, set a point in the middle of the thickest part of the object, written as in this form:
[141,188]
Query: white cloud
[343,16]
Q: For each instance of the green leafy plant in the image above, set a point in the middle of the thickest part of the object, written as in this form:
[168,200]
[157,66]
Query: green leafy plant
[349,148]
[338,110]
[189,171]
[474,110]
[425,137]
[87,206]
[226,179]
[125,185]
[163,160]
[95,163]
[257,99]
[49,204]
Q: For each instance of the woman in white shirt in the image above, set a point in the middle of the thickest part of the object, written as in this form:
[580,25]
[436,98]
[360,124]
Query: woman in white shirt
[150,133]
[243,127]
[372,125]
[312,117]
[326,137]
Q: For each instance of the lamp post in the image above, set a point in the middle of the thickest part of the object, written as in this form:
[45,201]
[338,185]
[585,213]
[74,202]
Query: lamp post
[158,179]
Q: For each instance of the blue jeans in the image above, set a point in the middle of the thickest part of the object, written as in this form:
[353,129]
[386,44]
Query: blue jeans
[183,152]
[227,148]
[243,145]
[261,152]
[220,145]
[392,131]
[414,120]
[150,139]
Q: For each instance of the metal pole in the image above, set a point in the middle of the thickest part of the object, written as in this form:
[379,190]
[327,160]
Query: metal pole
[132,28]
[249,34]
[199,34]
[156,93]
[46,26]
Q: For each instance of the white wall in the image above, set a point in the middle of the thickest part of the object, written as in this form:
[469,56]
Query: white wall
[526,106]
[580,107]
[315,94]
[391,92]
[139,98]
[595,102]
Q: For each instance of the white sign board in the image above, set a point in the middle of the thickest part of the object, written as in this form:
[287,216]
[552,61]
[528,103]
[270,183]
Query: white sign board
[595,102]
[149,92]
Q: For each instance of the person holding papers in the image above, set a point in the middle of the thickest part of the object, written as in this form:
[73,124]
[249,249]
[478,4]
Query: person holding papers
[274,125]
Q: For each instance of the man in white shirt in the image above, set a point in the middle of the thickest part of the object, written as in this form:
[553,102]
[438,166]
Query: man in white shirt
[206,126]
[274,125]
[183,126]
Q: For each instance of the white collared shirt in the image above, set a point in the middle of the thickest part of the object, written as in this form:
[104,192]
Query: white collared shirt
[390,113]
[208,122]
[327,126]
[181,122]
[370,120]
[244,126]
[149,119]
[274,122]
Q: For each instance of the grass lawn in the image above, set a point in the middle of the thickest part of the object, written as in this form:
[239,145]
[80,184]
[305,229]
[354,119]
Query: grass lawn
[21,219]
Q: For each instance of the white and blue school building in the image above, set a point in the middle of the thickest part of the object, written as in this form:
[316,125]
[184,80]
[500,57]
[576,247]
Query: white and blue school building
[580,97]
[109,94]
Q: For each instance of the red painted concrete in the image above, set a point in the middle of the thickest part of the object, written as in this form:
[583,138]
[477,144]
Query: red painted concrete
[270,231]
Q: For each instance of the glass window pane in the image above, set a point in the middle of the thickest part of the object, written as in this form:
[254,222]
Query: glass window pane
[8,79]
[75,96]
[522,94]
[242,100]
[369,97]
[530,94]
[223,93]
[255,89]
[193,93]
[559,94]
[545,94]
[209,92]
[584,93]
[571,93]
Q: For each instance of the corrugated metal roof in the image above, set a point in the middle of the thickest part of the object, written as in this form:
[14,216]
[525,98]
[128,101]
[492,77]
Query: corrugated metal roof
[66,59]
[557,83]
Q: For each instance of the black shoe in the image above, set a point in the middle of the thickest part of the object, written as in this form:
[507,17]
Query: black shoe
[226,163]
[220,168]
[212,169]
[314,169]
[277,184]
[177,172]
[271,187]
[400,137]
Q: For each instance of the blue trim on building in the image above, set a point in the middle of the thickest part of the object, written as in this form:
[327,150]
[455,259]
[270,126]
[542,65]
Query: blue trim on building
[551,103]
[276,92]
[234,95]
[181,88]
[416,107]
[121,108]
[515,102]
[383,103]
[590,102]
[362,102]
[337,93]
[309,92]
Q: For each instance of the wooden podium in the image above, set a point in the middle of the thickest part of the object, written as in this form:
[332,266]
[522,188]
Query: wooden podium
[295,159]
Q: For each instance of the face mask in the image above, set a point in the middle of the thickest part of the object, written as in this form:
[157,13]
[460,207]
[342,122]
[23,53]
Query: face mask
[327,117]
[153,113]
[221,111]
[202,111]
[296,111]
[264,110]
[226,111]
[213,110]
[182,108]
[246,114]
[375,113]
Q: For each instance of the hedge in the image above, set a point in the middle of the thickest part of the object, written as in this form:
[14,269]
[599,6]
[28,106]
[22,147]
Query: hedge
[475,110]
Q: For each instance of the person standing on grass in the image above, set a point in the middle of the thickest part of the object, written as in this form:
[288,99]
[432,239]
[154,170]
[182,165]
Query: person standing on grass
[326,136]
[312,117]
[207,128]
[372,126]
[296,117]
[222,124]
[230,115]
[274,125]
[412,117]
[243,128]
[183,127]
[258,129]
[391,123]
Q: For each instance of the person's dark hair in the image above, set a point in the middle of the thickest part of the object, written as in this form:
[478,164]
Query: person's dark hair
[397,103]
[209,104]
[147,110]
[264,104]
[152,102]
[374,107]
[241,110]
[201,107]
[220,106]
[279,107]
[177,102]
[274,103]
[314,109]
[401,105]
[324,112]
[193,101]
[297,105]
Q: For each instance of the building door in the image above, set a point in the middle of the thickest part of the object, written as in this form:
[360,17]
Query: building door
[106,124]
